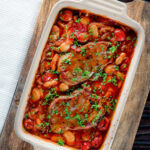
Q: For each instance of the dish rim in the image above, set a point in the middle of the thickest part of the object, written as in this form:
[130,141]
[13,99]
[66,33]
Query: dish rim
[123,18]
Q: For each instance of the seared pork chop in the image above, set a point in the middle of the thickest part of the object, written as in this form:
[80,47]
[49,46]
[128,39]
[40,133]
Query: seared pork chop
[75,112]
[77,67]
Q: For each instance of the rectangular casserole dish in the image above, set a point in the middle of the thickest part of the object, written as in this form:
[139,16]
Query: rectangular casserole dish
[111,9]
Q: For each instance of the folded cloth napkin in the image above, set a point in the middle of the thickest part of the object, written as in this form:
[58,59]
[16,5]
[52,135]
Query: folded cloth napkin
[17,20]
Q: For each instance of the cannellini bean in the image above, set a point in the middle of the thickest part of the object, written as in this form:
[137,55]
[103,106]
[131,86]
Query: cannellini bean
[36,94]
[69,138]
[120,59]
[56,138]
[109,93]
[85,20]
[105,29]
[65,47]
[54,62]
[63,87]
[51,83]
[120,75]
[93,30]
[110,69]
[119,84]
[55,33]
[41,93]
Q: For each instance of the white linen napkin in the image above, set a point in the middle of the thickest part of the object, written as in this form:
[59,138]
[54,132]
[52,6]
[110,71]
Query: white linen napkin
[17,20]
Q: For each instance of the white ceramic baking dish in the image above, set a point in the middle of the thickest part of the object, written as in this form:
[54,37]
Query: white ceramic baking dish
[110,8]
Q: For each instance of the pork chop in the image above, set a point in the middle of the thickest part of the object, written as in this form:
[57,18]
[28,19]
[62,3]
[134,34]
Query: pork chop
[75,112]
[77,67]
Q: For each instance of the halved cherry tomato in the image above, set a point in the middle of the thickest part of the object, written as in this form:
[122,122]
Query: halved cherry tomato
[66,15]
[28,124]
[78,27]
[104,124]
[86,146]
[47,76]
[97,141]
[83,37]
[120,35]
[124,67]
[78,142]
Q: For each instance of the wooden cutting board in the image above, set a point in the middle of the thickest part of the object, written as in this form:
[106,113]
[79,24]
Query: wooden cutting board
[138,10]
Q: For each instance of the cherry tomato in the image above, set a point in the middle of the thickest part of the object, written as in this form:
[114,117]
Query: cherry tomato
[79,28]
[47,76]
[97,141]
[97,133]
[124,67]
[66,15]
[86,146]
[104,124]
[78,142]
[83,37]
[28,124]
[120,35]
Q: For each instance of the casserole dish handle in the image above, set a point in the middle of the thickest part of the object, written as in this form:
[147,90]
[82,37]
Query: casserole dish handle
[113,5]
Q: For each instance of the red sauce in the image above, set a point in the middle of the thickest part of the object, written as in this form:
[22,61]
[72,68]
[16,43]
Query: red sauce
[79,79]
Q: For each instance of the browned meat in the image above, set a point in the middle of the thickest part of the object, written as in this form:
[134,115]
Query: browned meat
[77,67]
[75,112]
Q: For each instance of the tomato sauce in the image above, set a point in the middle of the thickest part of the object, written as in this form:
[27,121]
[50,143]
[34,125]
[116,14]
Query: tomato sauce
[79,79]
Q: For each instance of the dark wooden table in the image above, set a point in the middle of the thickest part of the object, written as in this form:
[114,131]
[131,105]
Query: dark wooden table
[142,139]
[138,10]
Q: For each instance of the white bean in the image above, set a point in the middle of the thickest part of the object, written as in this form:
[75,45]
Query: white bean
[85,20]
[36,94]
[93,30]
[65,47]
[120,59]
[51,83]
[63,87]
[69,137]
[54,62]
[110,69]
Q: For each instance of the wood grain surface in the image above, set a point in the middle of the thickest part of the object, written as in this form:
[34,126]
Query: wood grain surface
[138,10]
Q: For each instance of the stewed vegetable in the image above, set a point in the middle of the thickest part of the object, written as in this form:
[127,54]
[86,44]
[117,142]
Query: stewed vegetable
[79,80]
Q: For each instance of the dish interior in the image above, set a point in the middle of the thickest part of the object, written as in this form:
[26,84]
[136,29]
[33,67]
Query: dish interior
[79,80]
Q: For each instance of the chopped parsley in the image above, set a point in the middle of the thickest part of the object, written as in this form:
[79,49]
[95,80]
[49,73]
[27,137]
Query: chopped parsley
[113,80]
[80,121]
[94,96]
[60,142]
[77,70]
[52,93]
[48,116]
[49,54]
[96,106]
[102,75]
[86,74]
[116,67]
[61,18]
[113,49]
[128,38]
[76,42]
[67,61]
[83,51]
[96,117]
[26,116]
[78,20]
